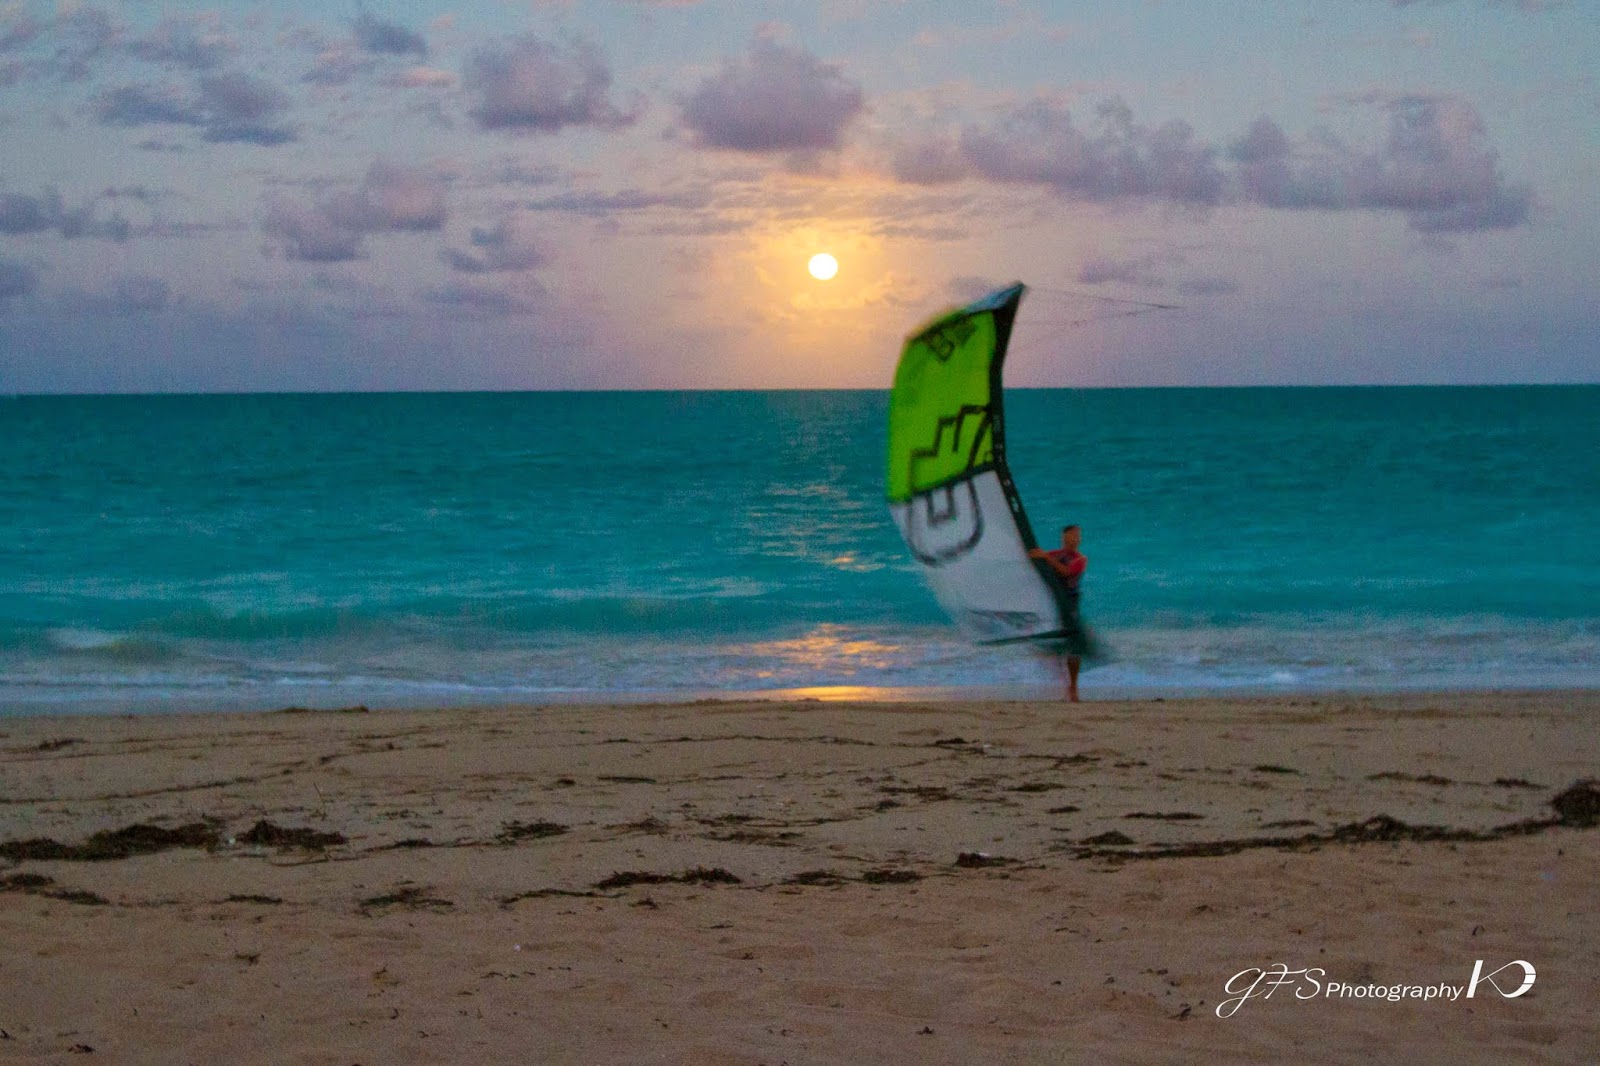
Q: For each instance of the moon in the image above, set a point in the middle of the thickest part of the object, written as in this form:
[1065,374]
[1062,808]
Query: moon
[823,266]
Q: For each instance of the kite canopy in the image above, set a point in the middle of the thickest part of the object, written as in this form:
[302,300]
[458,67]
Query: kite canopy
[948,486]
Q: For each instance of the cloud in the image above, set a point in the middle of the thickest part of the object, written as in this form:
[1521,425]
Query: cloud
[239,107]
[928,160]
[387,38]
[1113,158]
[1435,166]
[337,64]
[423,78]
[506,247]
[16,279]
[85,33]
[73,38]
[18,28]
[1099,270]
[395,197]
[392,198]
[529,86]
[773,99]
[308,234]
[197,43]
[475,301]
[130,294]
[144,194]
[519,172]
[699,226]
[227,107]
[22,214]
[139,105]
[371,41]
[598,204]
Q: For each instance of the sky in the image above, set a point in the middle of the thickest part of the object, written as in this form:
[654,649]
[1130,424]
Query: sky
[625,194]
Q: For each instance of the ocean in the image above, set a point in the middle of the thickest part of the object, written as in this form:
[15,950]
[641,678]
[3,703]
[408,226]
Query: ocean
[259,551]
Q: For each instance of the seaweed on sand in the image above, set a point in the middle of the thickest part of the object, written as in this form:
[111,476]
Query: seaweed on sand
[140,838]
[700,875]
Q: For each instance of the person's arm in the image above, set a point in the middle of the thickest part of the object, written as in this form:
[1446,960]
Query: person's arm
[1079,563]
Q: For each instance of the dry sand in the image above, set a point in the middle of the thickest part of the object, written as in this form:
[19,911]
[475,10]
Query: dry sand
[802,882]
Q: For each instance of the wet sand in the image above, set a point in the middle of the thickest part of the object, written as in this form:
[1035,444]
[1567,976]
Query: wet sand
[802,882]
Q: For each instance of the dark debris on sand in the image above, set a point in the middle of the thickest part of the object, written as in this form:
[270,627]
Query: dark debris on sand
[765,837]
[39,885]
[408,897]
[931,793]
[1576,807]
[511,832]
[699,875]
[265,834]
[1110,839]
[138,839]
[507,902]
[1420,779]
[978,860]
[648,824]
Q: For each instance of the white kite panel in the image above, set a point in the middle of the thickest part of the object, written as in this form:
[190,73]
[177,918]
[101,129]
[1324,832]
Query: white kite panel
[975,560]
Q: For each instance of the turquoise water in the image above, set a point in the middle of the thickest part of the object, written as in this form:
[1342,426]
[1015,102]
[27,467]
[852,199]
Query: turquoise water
[256,551]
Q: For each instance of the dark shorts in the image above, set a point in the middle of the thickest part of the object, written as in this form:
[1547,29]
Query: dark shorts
[1074,640]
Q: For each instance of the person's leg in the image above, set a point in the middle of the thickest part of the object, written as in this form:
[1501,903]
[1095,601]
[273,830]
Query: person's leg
[1064,669]
[1073,662]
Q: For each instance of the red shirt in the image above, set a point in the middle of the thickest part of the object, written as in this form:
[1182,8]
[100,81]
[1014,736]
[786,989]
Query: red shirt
[1070,564]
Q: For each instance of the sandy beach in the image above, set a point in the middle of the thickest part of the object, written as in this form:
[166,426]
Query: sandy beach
[803,882]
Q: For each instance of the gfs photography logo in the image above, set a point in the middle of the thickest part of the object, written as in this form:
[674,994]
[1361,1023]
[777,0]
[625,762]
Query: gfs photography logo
[1510,980]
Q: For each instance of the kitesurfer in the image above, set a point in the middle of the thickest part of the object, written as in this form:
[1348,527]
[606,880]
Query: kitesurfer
[1069,564]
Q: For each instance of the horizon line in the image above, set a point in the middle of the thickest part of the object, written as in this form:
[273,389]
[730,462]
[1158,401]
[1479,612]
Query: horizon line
[784,388]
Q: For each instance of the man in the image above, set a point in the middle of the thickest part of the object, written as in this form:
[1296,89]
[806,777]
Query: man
[1069,563]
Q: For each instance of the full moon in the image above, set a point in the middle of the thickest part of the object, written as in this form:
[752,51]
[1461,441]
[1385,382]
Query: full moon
[823,266]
